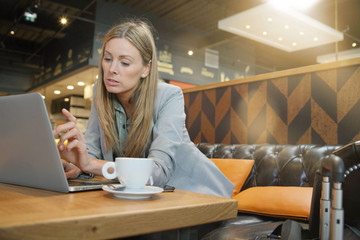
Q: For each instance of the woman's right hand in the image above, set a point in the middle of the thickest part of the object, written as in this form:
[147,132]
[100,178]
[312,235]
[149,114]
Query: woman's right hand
[71,171]
[75,150]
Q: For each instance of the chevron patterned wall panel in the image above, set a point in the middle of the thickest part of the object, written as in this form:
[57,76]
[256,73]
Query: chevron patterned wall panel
[320,107]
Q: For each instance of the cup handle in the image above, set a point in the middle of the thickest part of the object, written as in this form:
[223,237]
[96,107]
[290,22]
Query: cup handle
[105,170]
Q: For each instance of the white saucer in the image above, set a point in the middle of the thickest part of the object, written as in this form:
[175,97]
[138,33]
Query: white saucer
[133,194]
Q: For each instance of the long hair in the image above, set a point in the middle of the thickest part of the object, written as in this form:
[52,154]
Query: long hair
[139,33]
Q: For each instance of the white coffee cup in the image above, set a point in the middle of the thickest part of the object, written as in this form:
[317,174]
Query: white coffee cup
[131,172]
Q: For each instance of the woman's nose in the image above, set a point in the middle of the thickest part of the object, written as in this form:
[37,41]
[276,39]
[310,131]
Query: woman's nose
[113,67]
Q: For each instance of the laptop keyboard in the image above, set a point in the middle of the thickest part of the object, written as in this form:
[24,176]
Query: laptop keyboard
[92,181]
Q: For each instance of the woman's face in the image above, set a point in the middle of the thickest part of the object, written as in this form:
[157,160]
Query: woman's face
[123,67]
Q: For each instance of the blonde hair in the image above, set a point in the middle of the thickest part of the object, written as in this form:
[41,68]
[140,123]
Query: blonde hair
[140,35]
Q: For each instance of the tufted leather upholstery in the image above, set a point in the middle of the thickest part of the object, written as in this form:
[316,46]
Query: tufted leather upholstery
[275,164]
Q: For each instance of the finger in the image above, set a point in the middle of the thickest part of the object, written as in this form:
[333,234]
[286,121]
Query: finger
[66,165]
[64,127]
[70,135]
[71,145]
[68,115]
[76,144]
[64,162]
[61,147]
[68,175]
[73,173]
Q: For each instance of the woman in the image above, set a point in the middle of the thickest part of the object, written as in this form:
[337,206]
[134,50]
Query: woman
[135,115]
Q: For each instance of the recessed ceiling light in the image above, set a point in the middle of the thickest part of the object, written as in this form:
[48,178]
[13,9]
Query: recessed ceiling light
[190,52]
[247,26]
[294,44]
[57,92]
[264,33]
[301,33]
[288,19]
[269,19]
[280,38]
[353,44]
[81,83]
[70,87]
[63,20]
[316,39]
[66,99]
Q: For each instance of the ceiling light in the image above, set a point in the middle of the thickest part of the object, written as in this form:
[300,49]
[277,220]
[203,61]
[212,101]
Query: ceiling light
[190,52]
[81,83]
[303,4]
[295,22]
[30,16]
[66,99]
[353,44]
[63,21]
[70,87]
[12,31]
[348,54]
[57,92]
[88,92]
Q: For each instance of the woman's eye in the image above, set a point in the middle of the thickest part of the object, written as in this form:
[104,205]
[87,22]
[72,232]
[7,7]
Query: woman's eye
[125,63]
[107,59]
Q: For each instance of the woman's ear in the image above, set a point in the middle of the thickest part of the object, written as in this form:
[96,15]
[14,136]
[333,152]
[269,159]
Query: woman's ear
[146,70]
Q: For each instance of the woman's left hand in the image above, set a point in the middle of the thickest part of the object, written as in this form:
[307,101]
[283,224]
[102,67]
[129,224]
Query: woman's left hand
[75,151]
[71,171]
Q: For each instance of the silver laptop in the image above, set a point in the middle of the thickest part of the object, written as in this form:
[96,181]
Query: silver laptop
[28,152]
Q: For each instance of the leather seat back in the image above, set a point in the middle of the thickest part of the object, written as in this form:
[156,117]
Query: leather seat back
[275,164]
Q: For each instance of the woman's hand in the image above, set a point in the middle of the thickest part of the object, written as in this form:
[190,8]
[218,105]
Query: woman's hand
[71,171]
[75,150]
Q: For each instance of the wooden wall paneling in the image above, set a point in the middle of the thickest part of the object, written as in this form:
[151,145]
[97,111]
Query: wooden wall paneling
[239,114]
[208,116]
[193,118]
[257,112]
[348,102]
[299,108]
[318,107]
[276,111]
[222,115]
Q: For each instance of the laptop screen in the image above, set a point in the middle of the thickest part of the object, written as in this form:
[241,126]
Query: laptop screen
[28,152]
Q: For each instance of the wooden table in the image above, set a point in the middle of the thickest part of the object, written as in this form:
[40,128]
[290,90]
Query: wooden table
[29,213]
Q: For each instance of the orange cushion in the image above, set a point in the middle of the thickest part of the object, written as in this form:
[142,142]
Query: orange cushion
[288,202]
[236,170]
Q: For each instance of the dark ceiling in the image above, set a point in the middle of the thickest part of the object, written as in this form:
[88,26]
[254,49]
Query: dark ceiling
[24,50]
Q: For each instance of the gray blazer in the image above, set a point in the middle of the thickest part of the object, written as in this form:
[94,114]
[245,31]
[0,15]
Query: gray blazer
[177,161]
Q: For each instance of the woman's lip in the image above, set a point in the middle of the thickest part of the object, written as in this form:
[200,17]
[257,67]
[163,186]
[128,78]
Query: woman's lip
[112,81]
